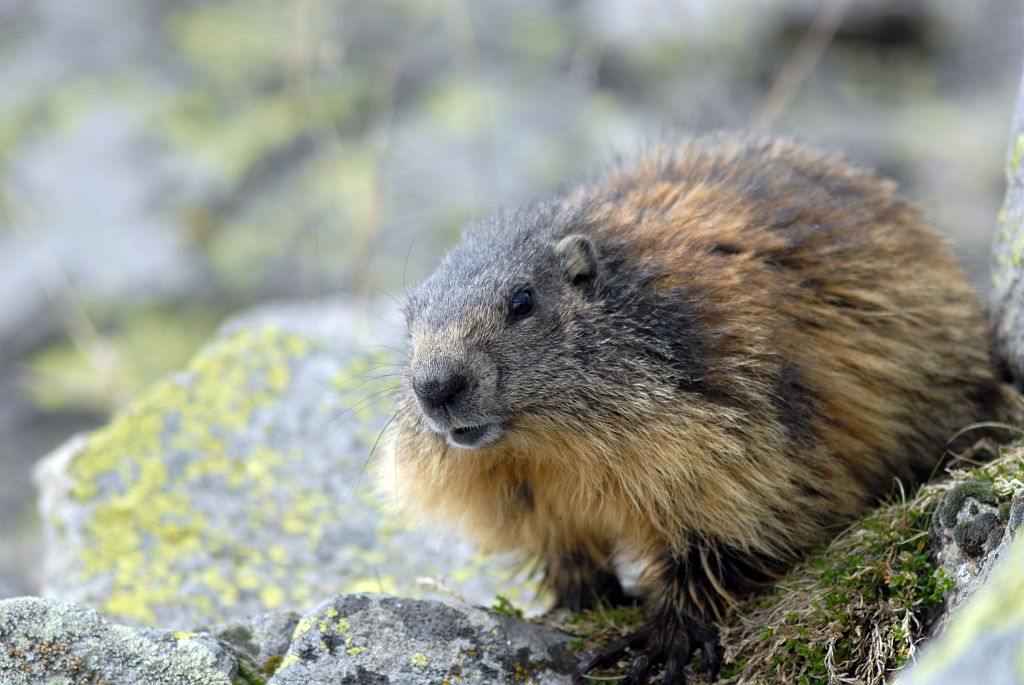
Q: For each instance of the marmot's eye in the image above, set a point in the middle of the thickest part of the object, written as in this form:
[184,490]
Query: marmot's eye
[521,304]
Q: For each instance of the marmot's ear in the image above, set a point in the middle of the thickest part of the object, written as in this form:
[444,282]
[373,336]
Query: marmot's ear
[579,258]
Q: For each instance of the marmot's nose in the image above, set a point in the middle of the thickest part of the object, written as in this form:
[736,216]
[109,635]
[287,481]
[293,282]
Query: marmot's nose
[440,389]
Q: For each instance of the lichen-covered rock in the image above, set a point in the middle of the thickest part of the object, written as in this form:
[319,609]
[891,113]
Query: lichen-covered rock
[242,484]
[984,643]
[47,641]
[347,639]
[377,639]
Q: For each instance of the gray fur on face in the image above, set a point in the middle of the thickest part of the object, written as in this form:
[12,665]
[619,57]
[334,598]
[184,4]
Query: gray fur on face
[461,325]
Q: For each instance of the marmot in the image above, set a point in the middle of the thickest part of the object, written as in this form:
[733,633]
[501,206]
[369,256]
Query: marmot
[701,361]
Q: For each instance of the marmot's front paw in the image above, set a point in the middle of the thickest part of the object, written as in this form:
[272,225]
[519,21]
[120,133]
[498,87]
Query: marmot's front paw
[667,647]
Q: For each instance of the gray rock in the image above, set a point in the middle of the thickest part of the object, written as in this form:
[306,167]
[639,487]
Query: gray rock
[347,639]
[52,642]
[1007,298]
[260,640]
[970,532]
[984,642]
[244,484]
[378,639]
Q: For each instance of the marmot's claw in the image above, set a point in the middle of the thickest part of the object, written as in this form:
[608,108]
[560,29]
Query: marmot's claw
[711,654]
[614,653]
[639,671]
[675,665]
[642,667]
[673,656]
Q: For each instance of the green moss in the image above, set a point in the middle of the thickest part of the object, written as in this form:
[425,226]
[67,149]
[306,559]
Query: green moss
[249,675]
[972,536]
[889,566]
[599,627]
[577,644]
[502,605]
[893,564]
[733,668]
[857,608]
[954,500]
[271,665]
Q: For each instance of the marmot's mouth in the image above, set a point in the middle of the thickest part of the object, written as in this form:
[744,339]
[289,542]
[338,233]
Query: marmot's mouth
[473,436]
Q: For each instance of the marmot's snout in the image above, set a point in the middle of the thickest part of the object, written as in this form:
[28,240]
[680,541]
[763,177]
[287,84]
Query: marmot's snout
[457,398]
[437,392]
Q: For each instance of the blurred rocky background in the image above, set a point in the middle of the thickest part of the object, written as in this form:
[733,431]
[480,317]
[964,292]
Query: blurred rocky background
[164,163]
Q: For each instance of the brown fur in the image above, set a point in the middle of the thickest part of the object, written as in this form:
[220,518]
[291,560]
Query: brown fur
[843,348]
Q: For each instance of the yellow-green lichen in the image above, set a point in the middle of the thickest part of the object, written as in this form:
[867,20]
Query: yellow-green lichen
[145,535]
[247,579]
[302,627]
[288,661]
[383,584]
[272,597]
[277,554]
[1017,154]
[341,626]
[368,372]
[309,514]
[419,660]
[144,525]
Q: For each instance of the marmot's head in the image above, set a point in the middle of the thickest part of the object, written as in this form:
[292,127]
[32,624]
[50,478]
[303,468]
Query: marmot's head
[494,331]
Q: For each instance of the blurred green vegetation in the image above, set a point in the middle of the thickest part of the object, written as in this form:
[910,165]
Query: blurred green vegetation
[130,351]
[311,147]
